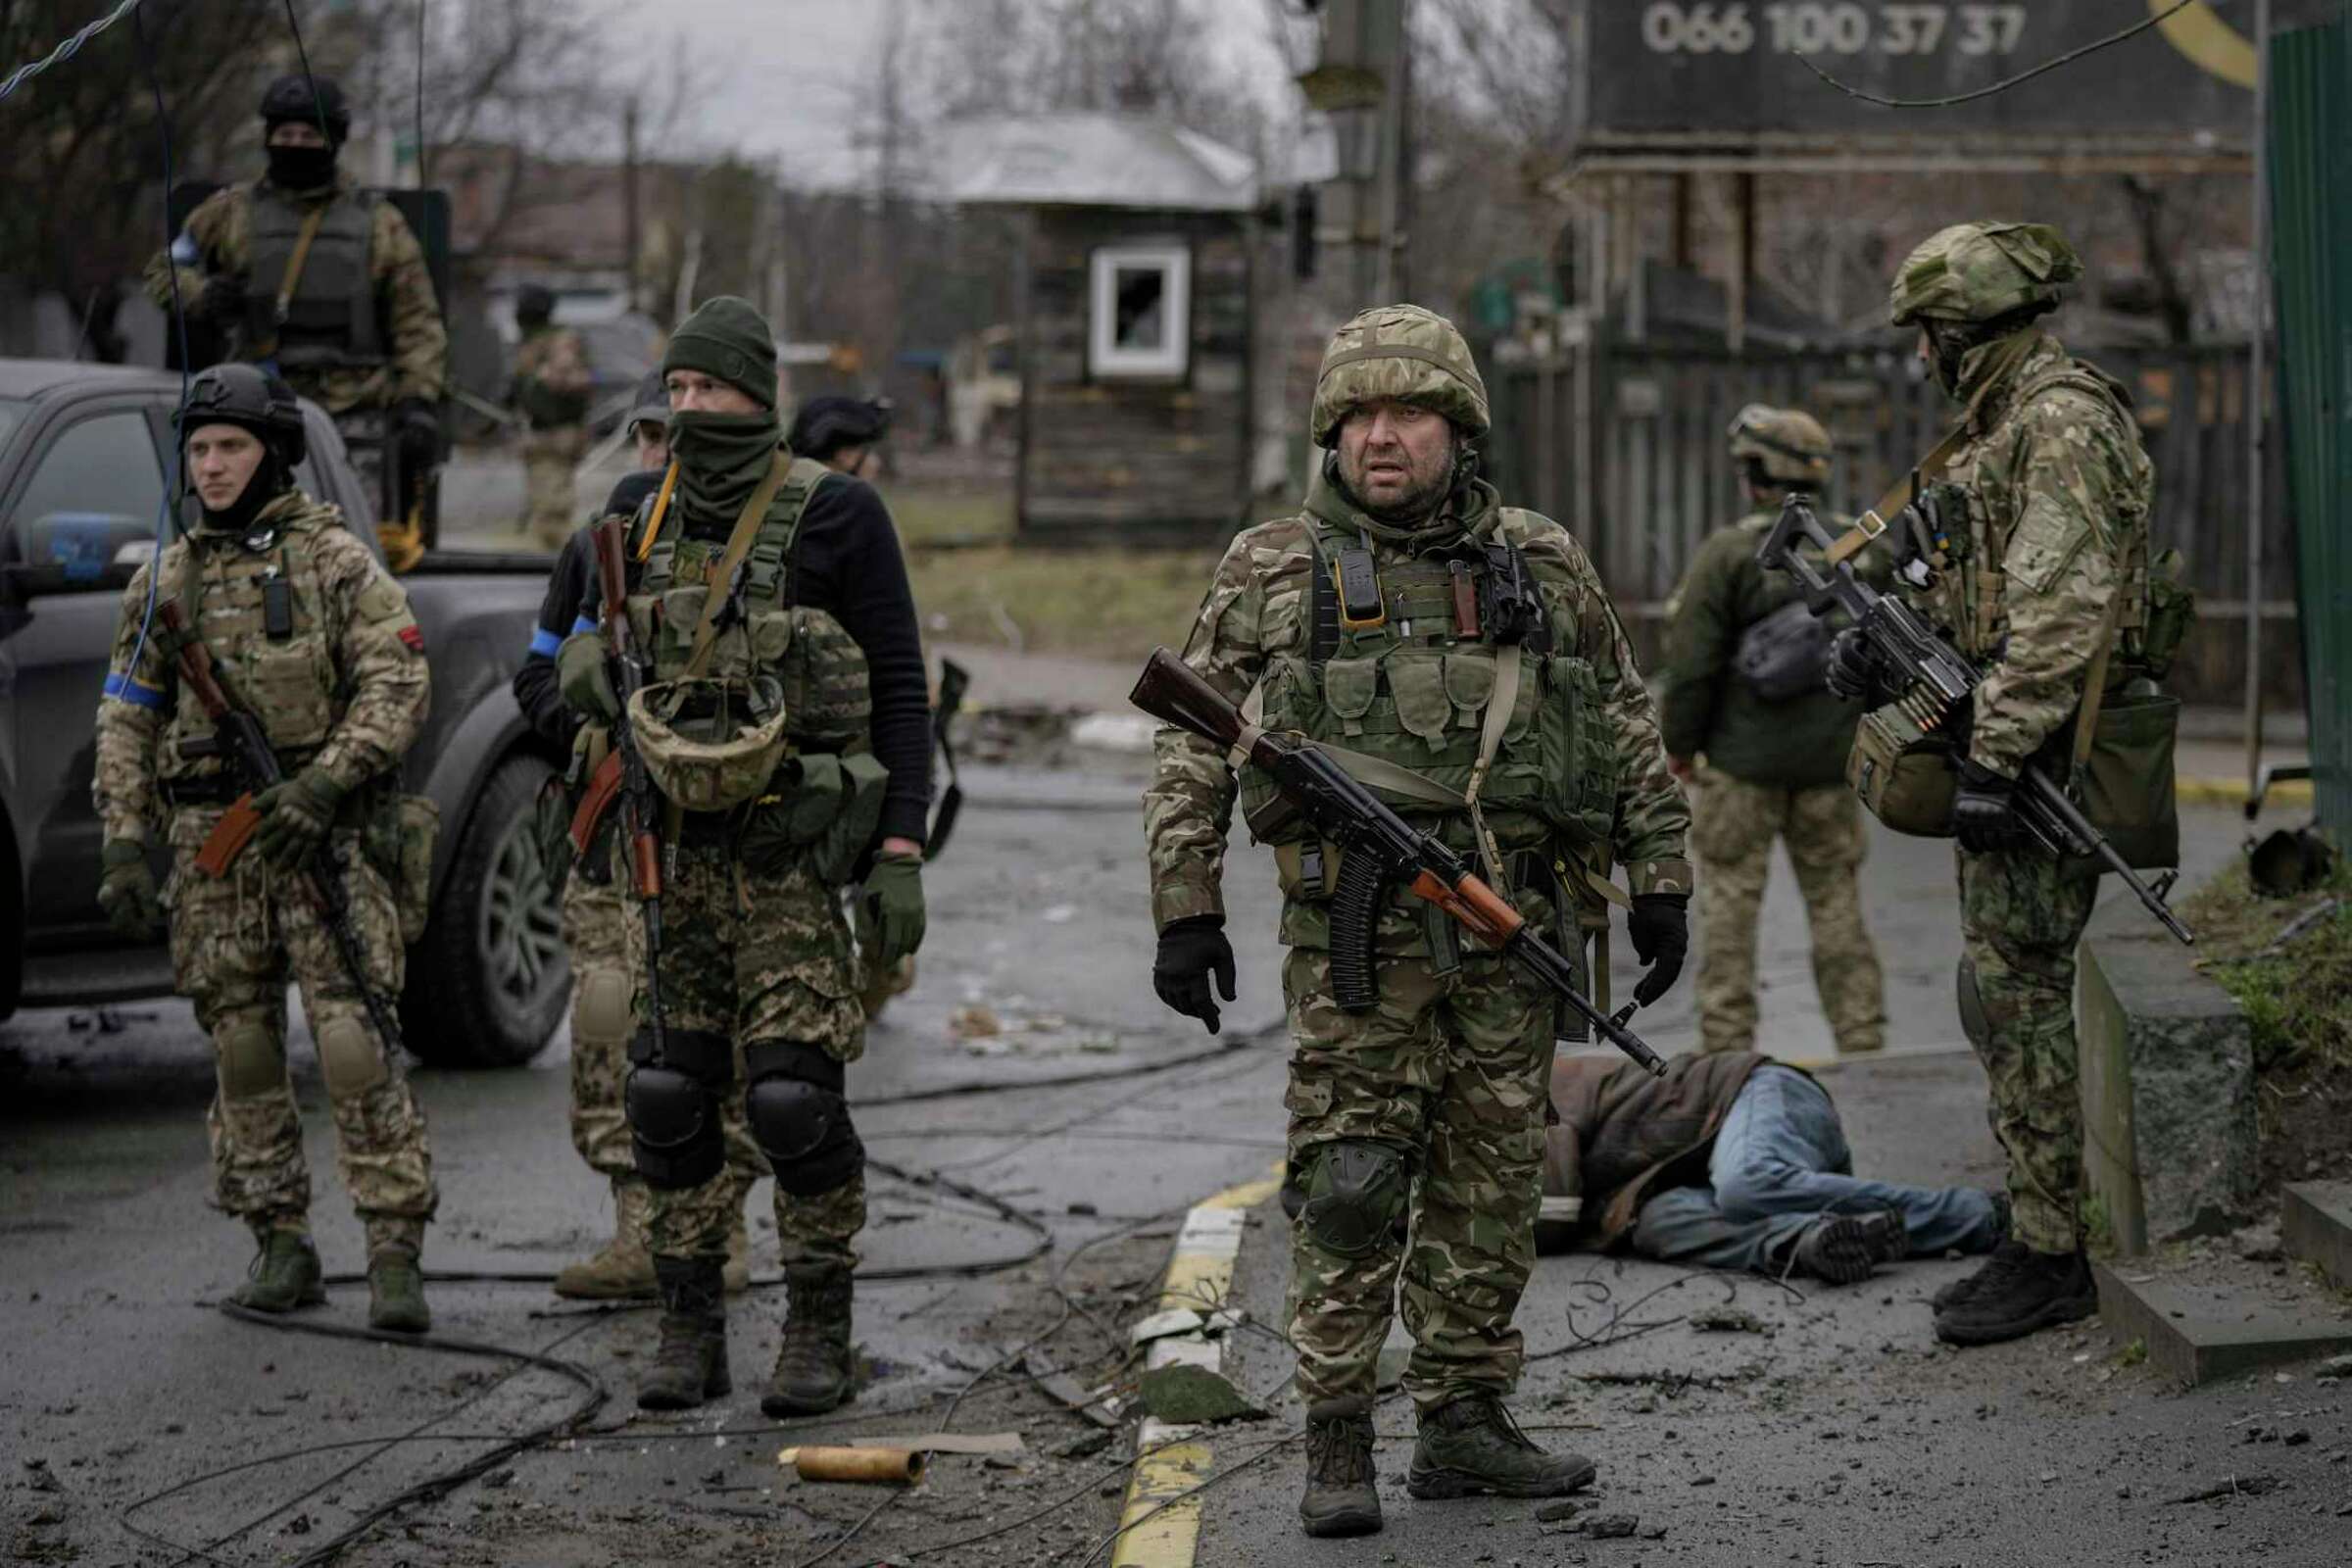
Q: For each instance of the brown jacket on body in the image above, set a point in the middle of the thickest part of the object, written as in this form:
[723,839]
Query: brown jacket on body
[1624,1135]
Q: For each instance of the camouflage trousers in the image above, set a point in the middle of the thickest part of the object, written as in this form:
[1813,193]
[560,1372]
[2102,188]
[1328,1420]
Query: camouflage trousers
[1451,1071]
[760,959]
[1733,826]
[2021,916]
[550,459]
[606,938]
[235,942]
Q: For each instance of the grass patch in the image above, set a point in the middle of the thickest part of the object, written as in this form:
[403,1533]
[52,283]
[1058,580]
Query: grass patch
[927,515]
[2132,1354]
[1106,603]
[2297,997]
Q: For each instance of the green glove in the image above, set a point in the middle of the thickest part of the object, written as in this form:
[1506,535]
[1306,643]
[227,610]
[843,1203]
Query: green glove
[295,817]
[583,679]
[894,904]
[127,890]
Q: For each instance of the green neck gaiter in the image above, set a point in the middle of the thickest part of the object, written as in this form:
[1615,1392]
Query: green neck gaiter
[721,459]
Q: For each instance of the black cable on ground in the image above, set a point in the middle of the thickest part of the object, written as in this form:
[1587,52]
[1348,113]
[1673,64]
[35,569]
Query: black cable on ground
[994,1086]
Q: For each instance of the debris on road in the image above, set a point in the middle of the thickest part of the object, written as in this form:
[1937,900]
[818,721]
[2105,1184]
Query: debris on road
[1193,1395]
[2234,1487]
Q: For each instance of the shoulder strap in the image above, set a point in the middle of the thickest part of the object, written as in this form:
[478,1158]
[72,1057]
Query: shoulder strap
[291,284]
[739,543]
[2094,687]
[774,551]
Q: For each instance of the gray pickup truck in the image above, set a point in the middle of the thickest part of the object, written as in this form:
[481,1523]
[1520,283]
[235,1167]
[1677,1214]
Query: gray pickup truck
[84,451]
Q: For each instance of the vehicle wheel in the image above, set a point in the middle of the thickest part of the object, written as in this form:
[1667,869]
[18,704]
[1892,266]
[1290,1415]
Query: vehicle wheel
[489,979]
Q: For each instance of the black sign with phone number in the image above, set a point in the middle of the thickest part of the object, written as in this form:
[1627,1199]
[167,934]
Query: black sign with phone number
[1732,67]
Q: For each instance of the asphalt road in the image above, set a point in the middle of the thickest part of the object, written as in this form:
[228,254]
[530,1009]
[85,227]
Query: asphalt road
[124,1394]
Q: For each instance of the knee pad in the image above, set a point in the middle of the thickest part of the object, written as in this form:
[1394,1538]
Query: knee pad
[252,1062]
[799,1117]
[1356,1196]
[1972,1022]
[599,1011]
[672,1102]
[349,1057]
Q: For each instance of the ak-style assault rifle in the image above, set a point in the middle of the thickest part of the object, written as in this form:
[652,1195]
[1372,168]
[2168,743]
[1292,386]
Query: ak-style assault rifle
[1380,848]
[1937,684]
[239,739]
[624,779]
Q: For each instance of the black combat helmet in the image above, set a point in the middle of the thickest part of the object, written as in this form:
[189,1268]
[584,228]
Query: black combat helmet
[252,398]
[534,305]
[824,425]
[312,100]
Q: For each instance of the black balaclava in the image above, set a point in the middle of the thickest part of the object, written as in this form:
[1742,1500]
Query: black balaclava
[300,169]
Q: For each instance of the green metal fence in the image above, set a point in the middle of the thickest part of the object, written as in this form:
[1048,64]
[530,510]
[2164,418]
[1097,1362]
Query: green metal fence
[2311,189]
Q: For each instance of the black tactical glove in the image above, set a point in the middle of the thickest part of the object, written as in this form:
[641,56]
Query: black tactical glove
[1660,926]
[1854,671]
[1189,949]
[222,300]
[1984,813]
[417,436]
[127,890]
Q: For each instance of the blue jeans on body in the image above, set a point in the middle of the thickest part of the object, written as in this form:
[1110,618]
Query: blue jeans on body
[1779,1162]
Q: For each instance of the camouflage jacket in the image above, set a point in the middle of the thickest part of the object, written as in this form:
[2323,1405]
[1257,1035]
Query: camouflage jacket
[216,241]
[2056,559]
[347,689]
[1259,604]
[1703,704]
[552,378]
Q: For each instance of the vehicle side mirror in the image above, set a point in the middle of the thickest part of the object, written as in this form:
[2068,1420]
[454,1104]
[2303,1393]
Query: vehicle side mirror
[79,552]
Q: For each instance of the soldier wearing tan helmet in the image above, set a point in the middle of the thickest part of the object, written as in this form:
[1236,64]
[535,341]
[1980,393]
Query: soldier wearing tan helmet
[2029,551]
[1762,746]
[1423,1117]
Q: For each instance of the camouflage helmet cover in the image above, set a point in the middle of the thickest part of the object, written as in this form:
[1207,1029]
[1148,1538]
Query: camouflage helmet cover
[1402,352]
[1977,272]
[1790,445]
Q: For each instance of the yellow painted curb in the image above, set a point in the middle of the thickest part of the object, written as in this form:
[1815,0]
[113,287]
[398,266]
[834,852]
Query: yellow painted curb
[1160,1534]
[2232,792]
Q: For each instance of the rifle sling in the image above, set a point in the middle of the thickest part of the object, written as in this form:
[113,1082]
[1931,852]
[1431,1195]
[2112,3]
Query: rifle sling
[739,544]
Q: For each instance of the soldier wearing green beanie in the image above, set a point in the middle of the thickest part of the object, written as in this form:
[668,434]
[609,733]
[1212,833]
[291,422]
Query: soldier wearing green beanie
[790,728]
[1416,1129]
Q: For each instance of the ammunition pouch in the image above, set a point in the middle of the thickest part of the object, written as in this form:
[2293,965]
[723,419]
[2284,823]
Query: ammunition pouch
[672,1103]
[2126,781]
[1905,777]
[2172,612]
[709,743]
[399,840]
[823,807]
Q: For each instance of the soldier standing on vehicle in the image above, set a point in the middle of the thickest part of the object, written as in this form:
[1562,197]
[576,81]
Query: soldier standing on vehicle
[600,936]
[309,633]
[788,724]
[322,283]
[552,383]
[1762,747]
[844,434]
[1462,659]
[2040,518]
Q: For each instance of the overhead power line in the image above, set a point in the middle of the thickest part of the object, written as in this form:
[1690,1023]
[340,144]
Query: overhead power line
[66,50]
[2003,86]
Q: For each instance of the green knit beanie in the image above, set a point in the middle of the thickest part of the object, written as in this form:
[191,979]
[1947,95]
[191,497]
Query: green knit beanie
[727,338]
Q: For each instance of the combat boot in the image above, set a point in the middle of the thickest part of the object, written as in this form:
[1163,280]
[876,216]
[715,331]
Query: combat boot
[396,1292]
[691,1363]
[623,1269]
[1841,1249]
[1960,1290]
[1341,1498]
[284,1275]
[1472,1445]
[2018,1292]
[814,1364]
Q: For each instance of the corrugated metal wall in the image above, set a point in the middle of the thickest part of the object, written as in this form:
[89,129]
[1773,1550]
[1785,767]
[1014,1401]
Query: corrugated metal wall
[2311,186]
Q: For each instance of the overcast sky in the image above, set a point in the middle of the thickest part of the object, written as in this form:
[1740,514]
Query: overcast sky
[786,77]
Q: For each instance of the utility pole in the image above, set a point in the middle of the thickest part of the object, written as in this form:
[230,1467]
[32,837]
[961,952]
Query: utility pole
[1360,82]
[632,237]
[2257,385]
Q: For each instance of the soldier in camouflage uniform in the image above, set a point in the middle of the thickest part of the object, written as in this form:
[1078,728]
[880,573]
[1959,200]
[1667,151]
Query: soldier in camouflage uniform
[2046,504]
[552,382]
[1416,1128]
[322,283]
[813,775]
[307,629]
[1763,767]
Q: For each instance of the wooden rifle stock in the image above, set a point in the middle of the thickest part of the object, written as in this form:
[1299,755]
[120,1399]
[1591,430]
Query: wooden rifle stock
[1172,692]
[603,786]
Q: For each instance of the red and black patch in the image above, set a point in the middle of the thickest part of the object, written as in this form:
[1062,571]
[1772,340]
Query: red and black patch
[412,635]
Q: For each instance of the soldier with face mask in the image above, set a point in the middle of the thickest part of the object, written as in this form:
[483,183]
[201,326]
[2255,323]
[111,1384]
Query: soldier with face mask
[2031,554]
[310,633]
[322,283]
[1743,692]
[788,726]
[552,383]
[1460,658]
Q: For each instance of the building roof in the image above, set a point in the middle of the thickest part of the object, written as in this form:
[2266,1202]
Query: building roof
[1093,160]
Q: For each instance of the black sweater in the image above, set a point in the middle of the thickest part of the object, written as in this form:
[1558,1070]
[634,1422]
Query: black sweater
[846,562]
